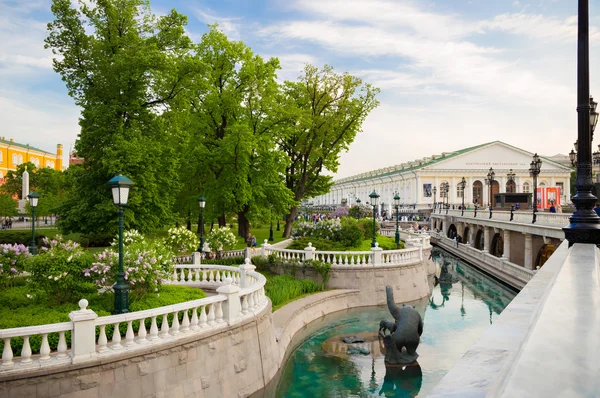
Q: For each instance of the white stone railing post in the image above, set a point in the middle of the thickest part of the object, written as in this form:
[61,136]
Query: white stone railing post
[196,258]
[83,339]
[377,257]
[232,307]
[309,252]
[263,248]
[244,268]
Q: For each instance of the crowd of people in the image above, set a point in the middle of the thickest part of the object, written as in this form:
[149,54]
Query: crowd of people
[7,223]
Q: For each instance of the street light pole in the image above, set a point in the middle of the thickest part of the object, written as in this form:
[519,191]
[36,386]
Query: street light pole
[463,184]
[397,203]
[585,223]
[33,202]
[357,208]
[201,203]
[534,171]
[120,186]
[374,198]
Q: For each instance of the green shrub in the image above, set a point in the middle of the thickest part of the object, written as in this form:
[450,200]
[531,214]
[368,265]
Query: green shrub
[283,288]
[351,233]
[19,237]
[319,244]
[96,240]
[57,272]
[233,261]
[366,227]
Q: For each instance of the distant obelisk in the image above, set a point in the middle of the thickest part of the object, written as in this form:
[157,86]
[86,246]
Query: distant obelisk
[25,184]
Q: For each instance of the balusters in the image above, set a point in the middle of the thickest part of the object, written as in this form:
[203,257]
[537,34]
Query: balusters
[102,340]
[129,336]
[250,301]
[203,317]
[175,324]
[219,313]
[62,345]
[142,332]
[153,329]
[211,314]
[116,338]
[197,275]
[7,354]
[244,305]
[185,323]
[182,275]
[175,275]
[194,323]
[26,351]
[164,328]
[45,348]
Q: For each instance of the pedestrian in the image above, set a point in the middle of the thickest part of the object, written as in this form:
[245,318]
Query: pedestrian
[552,208]
[597,209]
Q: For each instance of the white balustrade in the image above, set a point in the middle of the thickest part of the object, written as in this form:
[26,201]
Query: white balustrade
[402,256]
[337,258]
[46,355]
[206,275]
[286,254]
[519,216]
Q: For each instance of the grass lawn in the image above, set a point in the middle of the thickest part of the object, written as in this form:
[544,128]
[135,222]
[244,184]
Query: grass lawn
[283,289]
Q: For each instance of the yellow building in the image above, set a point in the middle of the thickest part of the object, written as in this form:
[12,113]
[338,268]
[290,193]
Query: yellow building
[13,154]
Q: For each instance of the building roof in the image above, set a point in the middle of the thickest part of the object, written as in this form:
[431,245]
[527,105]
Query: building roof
[25,146]
[422,163]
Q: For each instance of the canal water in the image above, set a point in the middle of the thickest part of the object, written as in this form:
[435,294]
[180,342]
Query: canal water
[455,316]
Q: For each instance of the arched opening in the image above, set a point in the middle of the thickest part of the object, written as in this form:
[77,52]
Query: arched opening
[477,192]
[544,254]
[511,187]
[466,235]
[495,189]
[479,240]
[452,231]
[526,187]
[497,247]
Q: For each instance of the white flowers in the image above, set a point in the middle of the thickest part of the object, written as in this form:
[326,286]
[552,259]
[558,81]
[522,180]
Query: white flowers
[182,240]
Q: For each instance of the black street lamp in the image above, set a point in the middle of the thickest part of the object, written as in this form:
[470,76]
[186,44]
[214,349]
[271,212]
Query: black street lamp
[374,198]
[534,171]
[585,223]
[397,203]
[271,238]
[512,212]
[33,202]
[358,208]
[463,185]
[278,228]
[201,203]
[120,186]
[511,179]
[434,202]
[490,181]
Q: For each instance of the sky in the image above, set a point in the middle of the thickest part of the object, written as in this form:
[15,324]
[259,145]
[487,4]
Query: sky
[452,73]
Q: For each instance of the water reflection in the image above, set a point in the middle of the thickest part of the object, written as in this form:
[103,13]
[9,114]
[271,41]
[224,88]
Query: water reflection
[452,325]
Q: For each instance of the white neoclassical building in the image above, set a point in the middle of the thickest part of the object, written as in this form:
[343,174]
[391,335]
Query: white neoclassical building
[414,181]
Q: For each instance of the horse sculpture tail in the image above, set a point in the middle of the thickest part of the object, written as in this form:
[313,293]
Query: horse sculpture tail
[394,309]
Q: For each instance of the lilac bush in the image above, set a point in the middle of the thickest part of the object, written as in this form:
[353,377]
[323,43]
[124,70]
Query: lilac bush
[341,211]
[12,262]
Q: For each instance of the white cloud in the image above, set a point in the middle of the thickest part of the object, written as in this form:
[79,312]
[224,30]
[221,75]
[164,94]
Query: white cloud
[227,25]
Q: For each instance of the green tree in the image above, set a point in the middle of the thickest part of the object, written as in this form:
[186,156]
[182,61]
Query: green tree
[13,183]
[126,70]
[324,111]
[233,157]
[8,206]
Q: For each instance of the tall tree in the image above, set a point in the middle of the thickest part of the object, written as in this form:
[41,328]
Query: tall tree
[8,206]
[125,69]
[325,111]
[234,158]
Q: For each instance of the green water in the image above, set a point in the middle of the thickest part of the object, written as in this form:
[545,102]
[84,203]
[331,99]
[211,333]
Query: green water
[455,316]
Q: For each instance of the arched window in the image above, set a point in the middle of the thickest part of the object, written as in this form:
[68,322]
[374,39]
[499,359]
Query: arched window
[14,159]
[477,192]
[1,157]
[35,161]
[19,159]
[526,188]
[542,184]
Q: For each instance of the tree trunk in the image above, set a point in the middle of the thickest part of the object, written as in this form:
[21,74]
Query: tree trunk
[243,222]
[289,221]
[222,221]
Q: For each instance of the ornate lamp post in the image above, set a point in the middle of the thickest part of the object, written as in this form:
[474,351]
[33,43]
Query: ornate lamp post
[33,202]
[201,203]
[490,181]
[271,238]
[585,223]
[374,198]
[120,186]
[397,203]
[463,185]
[434,202]
[511,178]
[534,171]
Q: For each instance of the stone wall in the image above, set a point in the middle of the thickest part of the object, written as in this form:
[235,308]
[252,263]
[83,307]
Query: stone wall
[233,363]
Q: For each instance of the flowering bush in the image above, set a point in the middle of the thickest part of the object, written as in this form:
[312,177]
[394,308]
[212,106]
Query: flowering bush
[360,211]
[57,271]
[12,262]
[147,265]
[182,240]
[221,239]
[339,212]
[326,229]
[129,237]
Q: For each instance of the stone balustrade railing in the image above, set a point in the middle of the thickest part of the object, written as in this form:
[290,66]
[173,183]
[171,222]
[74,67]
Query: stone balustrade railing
[519,216]
[336,258]
[502,265]
[240,294]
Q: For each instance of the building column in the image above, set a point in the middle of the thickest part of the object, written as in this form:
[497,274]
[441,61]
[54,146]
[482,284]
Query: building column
[506,253]
[486,239]
[528,258]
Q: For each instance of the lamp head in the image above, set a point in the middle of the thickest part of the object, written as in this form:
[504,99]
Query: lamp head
[202,202]
[374,198]
[120,186]
[33,199]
